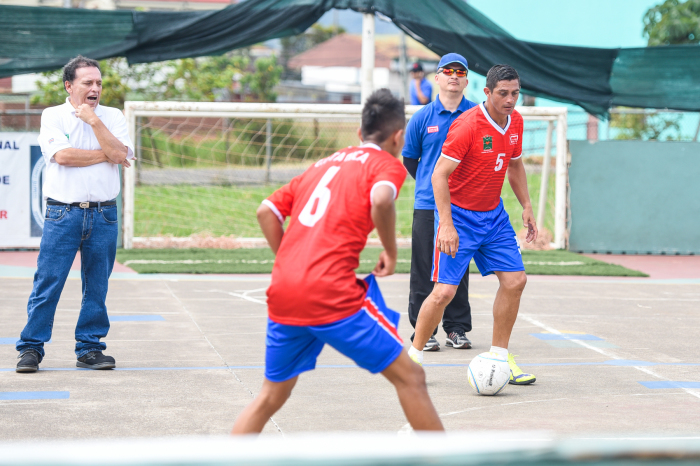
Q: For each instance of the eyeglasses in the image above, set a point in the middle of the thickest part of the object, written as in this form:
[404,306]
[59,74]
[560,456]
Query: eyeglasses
[450,72]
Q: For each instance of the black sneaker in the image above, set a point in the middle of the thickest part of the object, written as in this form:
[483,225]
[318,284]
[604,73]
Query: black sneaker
[432,344]
[458,340]
[96,360]
[28,361]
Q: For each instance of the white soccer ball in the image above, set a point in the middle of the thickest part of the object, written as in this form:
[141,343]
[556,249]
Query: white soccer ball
[489,374]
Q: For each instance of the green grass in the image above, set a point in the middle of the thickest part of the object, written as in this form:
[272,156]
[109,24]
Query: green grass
[184,210]
[261,261]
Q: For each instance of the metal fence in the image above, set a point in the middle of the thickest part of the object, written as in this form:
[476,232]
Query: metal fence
[205,167]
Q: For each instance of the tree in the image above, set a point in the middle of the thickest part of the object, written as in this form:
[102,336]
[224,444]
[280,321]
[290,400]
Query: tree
[647,126]
[263,80]
[673,22]
[189,79]
[199,79]
[114,83]
[316,34]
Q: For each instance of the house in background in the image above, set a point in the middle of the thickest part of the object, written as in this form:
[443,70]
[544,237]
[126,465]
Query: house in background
[330,71]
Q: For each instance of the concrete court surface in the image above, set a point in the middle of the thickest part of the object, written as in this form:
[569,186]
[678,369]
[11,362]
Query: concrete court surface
[612,356]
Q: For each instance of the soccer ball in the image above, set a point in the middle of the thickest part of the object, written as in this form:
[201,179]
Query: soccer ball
[489,373]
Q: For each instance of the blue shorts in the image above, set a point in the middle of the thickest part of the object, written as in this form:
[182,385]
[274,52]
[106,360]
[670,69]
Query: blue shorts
[487,237]
[369,337]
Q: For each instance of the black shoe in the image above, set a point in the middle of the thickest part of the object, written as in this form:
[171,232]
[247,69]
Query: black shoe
[458,340]
[431,345]
[28,361]
[96,360]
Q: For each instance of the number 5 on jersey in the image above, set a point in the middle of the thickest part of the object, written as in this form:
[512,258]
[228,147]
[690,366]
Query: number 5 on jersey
[319,199]
[499,162]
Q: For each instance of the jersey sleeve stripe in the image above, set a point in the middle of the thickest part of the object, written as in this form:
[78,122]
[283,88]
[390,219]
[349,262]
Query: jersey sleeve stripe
[274,209]
[382,183]
[450,158]
[516,158]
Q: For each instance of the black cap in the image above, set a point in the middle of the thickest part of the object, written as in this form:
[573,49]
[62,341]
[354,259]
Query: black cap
[416,67]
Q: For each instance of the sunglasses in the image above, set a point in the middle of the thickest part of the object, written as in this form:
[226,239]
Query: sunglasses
[450,72]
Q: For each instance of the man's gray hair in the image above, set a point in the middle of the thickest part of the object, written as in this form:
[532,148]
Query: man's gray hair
[72,66]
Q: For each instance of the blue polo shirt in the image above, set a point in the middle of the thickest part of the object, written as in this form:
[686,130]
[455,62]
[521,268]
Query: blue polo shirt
[425,134]
[425,87]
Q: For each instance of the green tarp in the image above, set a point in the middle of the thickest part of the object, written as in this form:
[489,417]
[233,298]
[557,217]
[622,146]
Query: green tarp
[39,39]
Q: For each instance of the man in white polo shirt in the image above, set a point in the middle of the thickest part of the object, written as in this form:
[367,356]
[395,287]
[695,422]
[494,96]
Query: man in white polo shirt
[83,143]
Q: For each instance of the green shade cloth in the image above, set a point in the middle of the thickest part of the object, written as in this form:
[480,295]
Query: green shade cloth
[40,39]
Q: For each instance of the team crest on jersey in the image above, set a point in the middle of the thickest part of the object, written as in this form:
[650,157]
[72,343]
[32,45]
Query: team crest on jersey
[513,139]
[432,129]
[488,143]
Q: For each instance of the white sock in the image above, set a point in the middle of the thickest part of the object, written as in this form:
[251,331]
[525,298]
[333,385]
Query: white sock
[502,352]
[418,353]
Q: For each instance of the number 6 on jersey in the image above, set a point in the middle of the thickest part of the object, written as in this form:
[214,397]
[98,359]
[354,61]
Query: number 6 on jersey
[321,194]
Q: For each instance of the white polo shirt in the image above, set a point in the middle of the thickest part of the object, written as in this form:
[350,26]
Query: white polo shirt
[61,129]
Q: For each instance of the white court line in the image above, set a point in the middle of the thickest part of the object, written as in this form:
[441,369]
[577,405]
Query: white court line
[612,298]
[605,353]
[242,294]
[217,353]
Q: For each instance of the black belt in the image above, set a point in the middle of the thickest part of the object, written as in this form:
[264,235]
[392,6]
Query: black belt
[83,205]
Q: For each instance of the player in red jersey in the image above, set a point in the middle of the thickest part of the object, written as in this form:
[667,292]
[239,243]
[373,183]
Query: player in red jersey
[470,221]
[315,297]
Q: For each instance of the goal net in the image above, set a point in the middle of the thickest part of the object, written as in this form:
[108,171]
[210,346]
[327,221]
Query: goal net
[204,167]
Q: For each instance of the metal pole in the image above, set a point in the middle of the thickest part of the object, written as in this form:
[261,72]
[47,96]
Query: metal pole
[367,71]
[139,150]
[129,188]
[544,184]
[561,184]
[268,150]
[402,66]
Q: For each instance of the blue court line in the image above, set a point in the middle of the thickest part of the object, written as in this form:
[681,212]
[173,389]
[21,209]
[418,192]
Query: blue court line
[615,362]
[5,396]
[13,340]
[661,384]
[565,336]
[136,318]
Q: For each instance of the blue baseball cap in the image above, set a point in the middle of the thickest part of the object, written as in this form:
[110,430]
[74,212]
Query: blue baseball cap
[453,58]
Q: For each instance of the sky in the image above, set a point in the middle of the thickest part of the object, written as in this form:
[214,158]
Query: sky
[584,23]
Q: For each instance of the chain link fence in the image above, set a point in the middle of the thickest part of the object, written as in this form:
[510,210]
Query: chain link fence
[204,177]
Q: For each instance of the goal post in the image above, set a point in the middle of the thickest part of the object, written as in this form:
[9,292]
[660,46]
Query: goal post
[203,167]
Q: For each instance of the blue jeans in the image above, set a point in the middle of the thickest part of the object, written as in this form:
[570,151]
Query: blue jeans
[67,230]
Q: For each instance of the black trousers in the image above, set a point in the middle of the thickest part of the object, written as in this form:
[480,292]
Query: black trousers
[458,314]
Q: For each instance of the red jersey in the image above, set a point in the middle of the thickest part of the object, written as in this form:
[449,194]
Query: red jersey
[313,279]
[483,150]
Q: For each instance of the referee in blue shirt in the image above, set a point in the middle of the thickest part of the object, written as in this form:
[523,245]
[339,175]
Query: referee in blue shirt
[425,134]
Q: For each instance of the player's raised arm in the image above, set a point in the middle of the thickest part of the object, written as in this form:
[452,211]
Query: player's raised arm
[518,182]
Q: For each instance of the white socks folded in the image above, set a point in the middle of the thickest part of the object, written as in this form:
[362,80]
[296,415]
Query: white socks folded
[417,353]
[502,352]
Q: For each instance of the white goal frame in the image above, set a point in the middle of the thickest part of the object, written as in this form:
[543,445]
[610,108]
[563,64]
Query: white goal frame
[133,110]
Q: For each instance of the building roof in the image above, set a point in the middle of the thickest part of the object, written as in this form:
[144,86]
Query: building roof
[346,50]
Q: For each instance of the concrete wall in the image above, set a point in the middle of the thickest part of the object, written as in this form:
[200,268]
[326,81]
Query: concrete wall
[635,197]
